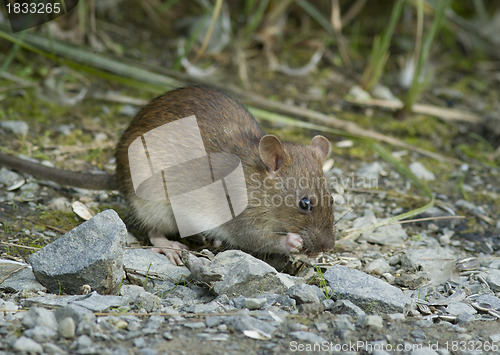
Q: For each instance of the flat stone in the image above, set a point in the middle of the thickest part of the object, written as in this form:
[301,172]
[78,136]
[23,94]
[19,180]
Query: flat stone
[50,348]
[311,308]
[7,307]
[368,219]
[493,279]
[373,321]
[145,264]
[90,254]
[41,334]
[254,303]
[304,293]
[282,301]
[40,317]
[307,337]
[495,264]
[246,322]
[20,281]
[347,307]
[386,235]
[435,261]
[377,267]
[459,308]
[488,300]
[343,322]
[390,234]
[245,275]
[51,301]
[446,301]
[413,280]
[24,345]
[495,337]
[101,303]
[78,313]
[367,292]
[139,297]
[195,325]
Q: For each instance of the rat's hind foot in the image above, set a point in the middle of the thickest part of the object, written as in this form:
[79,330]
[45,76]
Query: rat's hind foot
[171,249]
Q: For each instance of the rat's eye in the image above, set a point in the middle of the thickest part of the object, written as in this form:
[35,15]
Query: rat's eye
[305,204]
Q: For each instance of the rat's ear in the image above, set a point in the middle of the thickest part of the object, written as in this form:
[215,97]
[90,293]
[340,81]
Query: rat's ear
[321,146]
[271,152]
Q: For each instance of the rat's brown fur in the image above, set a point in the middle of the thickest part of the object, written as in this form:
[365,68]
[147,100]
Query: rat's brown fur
[226,126]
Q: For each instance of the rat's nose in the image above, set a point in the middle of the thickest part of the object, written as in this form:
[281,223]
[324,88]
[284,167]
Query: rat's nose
[327,243]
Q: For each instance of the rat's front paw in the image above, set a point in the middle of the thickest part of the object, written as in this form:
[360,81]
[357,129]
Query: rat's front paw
[293,242]
[172,250]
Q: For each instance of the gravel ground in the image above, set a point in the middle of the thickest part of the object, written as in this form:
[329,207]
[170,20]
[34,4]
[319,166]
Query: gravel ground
[402,288]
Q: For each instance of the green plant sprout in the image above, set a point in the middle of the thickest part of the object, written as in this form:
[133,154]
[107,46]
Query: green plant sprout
[380,50]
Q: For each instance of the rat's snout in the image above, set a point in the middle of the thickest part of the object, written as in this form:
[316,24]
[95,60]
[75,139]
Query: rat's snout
[319,241]
[326,242]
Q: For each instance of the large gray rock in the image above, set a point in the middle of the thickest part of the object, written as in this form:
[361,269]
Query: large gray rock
[90,254]
[244,275]
[367,292]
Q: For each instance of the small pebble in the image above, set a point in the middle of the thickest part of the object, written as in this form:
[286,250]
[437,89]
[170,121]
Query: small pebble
[373,321]
[67,328]
[168,335]
[254,303]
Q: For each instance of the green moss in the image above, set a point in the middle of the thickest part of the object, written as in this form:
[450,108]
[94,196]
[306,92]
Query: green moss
[59,219]
[478,151]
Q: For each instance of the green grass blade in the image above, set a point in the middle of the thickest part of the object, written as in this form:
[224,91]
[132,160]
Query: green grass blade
[55,50]
[379,54]
[316,14]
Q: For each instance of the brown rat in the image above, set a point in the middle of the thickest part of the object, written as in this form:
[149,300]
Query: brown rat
[289,205]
